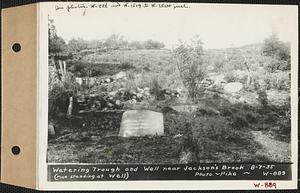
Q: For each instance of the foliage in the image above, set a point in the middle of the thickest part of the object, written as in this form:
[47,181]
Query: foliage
[211,138]
[91,69]
[58,100]
[77,45]
[230,76]
[279,52]
[265,80]
[150,44]
[136,45]
[189,61]
[56,43]
[115,41]
[156,89]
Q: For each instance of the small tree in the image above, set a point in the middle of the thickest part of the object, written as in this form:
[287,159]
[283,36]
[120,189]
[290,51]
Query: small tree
[189,61]
[76,45]
[56,43]
[150,44]
[279,52]
[115,41]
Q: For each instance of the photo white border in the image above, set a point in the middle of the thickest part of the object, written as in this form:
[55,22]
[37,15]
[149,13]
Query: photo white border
[46,8]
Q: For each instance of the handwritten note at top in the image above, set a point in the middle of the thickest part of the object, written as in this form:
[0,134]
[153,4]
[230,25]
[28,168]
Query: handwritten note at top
[106,5]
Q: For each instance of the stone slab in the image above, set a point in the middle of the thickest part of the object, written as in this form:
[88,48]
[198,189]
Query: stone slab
[233,87]
[136,123]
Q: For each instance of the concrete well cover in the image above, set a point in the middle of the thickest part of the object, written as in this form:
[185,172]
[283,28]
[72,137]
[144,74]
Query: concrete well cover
[137,123]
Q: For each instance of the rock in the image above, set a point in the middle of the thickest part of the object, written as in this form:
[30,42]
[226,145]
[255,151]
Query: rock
[233,87]
[51,130]
[112,93]
[185,108]
[137,123]
[139,95]
[120,75]
[168,110]
[147,93]
[118,102]
[147,89]
[177,136]
[78,80]
[139,90]
[110,105]
[132,101]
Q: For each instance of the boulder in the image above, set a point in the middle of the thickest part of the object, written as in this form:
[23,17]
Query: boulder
[136,123]
[78,80]
[233,87]
[120,75]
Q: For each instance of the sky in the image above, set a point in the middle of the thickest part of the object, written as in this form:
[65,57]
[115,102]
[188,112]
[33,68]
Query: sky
[218,26]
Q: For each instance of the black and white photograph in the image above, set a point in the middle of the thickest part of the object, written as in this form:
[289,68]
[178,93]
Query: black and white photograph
[184,84]
[198,88]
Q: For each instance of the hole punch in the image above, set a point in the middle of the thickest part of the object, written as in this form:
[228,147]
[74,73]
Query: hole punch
[16,150]
[16,47]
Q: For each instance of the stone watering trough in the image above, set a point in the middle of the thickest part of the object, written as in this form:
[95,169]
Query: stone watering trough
[137,123]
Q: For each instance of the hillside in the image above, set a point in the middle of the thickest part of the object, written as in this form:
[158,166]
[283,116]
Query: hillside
[218,126]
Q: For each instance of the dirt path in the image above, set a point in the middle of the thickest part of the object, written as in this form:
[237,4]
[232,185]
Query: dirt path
[276,151]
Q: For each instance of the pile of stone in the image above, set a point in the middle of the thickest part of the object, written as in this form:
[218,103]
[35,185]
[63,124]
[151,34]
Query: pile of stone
[104,80]
[113,100]
[86,103]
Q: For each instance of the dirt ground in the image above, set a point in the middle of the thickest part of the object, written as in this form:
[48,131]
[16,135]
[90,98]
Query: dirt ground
[108,147]
[275,150]
[96,146]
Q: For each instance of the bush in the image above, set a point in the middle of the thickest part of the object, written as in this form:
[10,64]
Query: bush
[156,89]
[150,44]
[280,81]
[189,59]
[251,118]
[239,122]
[230,77]
[262,97]
[279,53]
[58,100]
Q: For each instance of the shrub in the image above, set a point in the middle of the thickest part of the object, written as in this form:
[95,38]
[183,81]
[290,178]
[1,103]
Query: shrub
[251,118]
[262,97]
[280,80]
[156,89]
[230,77]
[226,112]
[126,65]
[284,123]
[279,53]
[58,100]
[150,44]
[190,64]
[239,122]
